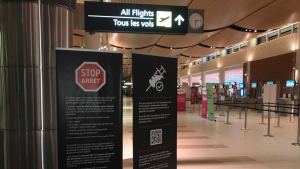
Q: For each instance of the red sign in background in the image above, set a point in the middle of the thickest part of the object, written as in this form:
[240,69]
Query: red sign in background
[90,76]
[194,95]
[181,99]
[204,103]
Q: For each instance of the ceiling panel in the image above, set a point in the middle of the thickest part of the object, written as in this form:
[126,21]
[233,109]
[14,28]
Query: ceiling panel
[144,51]
[132,40]
[200,4]
[278,14]
[182,60]
[155,2]
[220,13]
[166,52]
[199,51]
[185,60]
[229,37]
[184,40]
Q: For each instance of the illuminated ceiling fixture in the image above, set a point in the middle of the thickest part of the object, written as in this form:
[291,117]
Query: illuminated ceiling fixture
[243,29]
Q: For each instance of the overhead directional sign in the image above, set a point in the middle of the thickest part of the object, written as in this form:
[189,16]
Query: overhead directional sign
[135,18]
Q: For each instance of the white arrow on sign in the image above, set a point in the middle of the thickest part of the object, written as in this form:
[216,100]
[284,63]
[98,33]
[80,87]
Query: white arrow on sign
[180,19]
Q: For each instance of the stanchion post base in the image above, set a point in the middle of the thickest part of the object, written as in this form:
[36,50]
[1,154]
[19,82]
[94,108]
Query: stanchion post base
[278,127]
[228,123]
[296,144]
[245,129]
[268,135]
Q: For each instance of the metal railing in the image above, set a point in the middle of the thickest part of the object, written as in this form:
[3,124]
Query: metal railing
[265,107]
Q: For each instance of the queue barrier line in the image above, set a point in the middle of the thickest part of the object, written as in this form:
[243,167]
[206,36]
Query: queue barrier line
[269,105]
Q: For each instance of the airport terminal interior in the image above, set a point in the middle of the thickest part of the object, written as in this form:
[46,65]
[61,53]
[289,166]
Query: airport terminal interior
[247,51]
[204,144]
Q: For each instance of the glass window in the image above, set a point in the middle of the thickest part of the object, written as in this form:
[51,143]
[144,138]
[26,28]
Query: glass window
[273,35]
[244,45]
[236,48]
[295,28]
[207,58]
[235,75]
[228,51]
[212,78]
[261,39]
[286,31]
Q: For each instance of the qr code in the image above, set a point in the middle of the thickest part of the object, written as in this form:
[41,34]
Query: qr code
[155,137]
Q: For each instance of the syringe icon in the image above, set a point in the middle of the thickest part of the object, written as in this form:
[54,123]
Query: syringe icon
[155,79]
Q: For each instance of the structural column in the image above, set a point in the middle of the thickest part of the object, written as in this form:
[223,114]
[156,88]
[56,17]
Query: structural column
[221,75]
[297,50]
[203,74]
[30,30]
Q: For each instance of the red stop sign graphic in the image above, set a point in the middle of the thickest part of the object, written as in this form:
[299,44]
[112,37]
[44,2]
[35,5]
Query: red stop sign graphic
[90,76]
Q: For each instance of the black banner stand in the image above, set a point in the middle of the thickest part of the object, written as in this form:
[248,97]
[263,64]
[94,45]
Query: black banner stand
[154,112]
[89,109]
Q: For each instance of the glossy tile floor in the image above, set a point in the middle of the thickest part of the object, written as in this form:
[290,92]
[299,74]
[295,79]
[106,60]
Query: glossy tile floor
[203,144]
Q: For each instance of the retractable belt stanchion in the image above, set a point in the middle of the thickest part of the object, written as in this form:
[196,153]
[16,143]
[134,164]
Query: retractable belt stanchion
[228,123]
[245,127]
[298,132]
[191,105]
[262,116]
[278,119]
[222,108]
[269,119]
[291,115]
[240,111]
[199,107]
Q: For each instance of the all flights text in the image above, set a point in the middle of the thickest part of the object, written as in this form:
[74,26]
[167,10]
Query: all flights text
[136,18]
